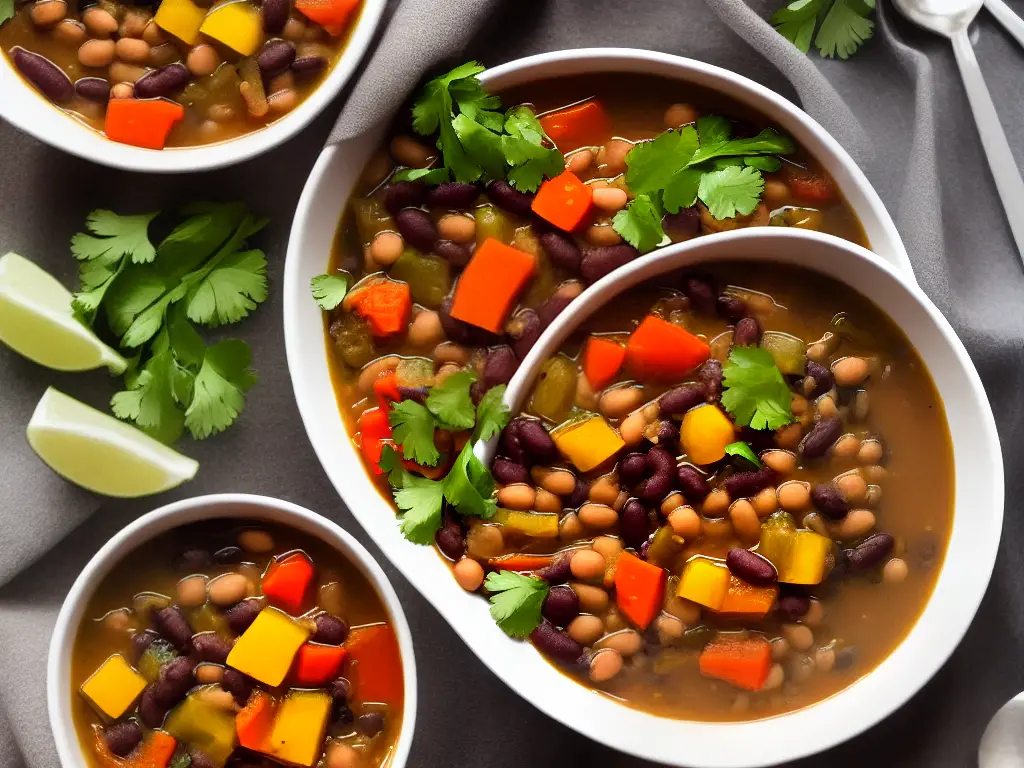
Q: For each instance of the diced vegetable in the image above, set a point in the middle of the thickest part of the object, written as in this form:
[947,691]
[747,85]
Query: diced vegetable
[372,218]
[704,582]
[374,430]
[286,582]
[208,619]
[415,372]
[298,735]
[808,186]
[742,662]
[255,722]
[602,361]
[807,559]
[142,123]
[555,390]
[352,340]
[385,389]
[665,547]
[375,667]
[704,434]
[801,218]
[239,26]
[332,15]
[563,201]
[539,525]
[266,650]
[639,589]
[581,125]
[589,443]
[789,352]
[154,657]
[203,726]
[660,350]
[385,304]
[317,664]
[181,18]
[429,277]
[488,287]
[520,562]
[113,688]
[492,222]
[777,534]
[747,601]
[155,751]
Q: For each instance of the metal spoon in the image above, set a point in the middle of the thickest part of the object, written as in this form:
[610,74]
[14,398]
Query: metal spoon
[951,18]
[1002,745]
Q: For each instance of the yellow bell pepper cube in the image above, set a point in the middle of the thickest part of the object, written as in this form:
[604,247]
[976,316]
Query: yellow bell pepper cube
[704,433]
[181,18]
[114,687]
[539,525]
[704,582]
[265,650]
[298,735]
[588,444]
[238,25]
[807,558]
[204,725]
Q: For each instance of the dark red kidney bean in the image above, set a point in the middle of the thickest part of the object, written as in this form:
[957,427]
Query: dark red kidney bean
[499,366]
[417,228]
[560,606]
[555,644]
[93,89]
[632,468]
[558,572]
[684,224]
[456,254]
[561,250]
[340,689]
[746,332]
[751,567]
[172,624]
[275,58]
[701,293]
[228,555]
[275,15]
[507,472]
[524,328]
[330,630]
[450,538]
[241,615]
[681,399]
[209,646]
[668,435]
[193,560]
[598,262]
[822,376]
[829,501]
[403,194]
[122,738]
[201,760]
[579,494]
[369,724]
[710,376]
[743,485]
[553,307]
[141,641]
[237,684]
[508,198]
[453,194]
[309,66]
[645,549]
[151,711]
[176,678]
[46,76]
[537,441]
[512,444]
[662,465]
[418,394]
[870,552]
[633,524]
[792,607]
[693,484]
[846,657]
[731,308]
[822,436]
[162,82]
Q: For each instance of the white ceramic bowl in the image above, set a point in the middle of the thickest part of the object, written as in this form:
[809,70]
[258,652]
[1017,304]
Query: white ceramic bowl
[151,525]
[29,111]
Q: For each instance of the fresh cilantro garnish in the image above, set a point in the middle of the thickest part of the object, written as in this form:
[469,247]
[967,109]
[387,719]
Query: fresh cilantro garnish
[469,485]
[429,176]
[516,601]
[640,224]
[329,290]
[491,414]
[731,191]
[149,401]
[845,25]
[754,391]
[413,428]
[219,388]
[115,236]
[230,290]
[451,402]
[528,150]
[419,500]
[6,10]
[743,451]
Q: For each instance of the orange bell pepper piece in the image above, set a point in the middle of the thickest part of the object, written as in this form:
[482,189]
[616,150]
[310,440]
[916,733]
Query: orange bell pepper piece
[287,581]
[639,589]
[142,122]
[375,666]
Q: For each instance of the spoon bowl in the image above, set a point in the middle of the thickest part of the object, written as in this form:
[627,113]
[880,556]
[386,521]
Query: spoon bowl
[943,17]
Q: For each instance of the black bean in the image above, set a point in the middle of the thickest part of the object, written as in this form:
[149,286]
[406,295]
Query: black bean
[870,552]
[553,307]
[201,760]
[681,399]
[632,468]
[340,689]
[193,560]
[417,228]
[710,376]
[453,194]
[560,606]
[46,76]
[172,624]
[507,197]
[731,308]
[537,441]
[829,501]
[417,394]
[450,538]
[309,66]
[275,58]
[668,435]
[701,293]
[751,567]
[579,494]
[684,224]
[499,366]
[524,328]
[209,646]
[93,89]
[275,15]
[746,332]
[162,82]
[403,194]
[237,684]
[598,262]
[662,466]
[122,738]
[229,555]
[555,644]
[141,641]
[558,572]
[822,436]
[330,630]
[822,376]
[743,485]
[561,250]
[693,484]
[633,524]
[241,615]
[793,606]
[456,254]
[370,724]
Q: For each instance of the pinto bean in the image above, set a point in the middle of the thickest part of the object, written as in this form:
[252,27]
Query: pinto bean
[560,606]
[870,552]
[710,376]
[453,194]
[821,437]
[681,399]
[555,644]
[162,82]
[701,293]
[751,567]
[171,623]
[746,332]
[822,378]
[744,485]
[829,501]
[507,197]
[46,76]
[693,484]
[561,250]
[598,262]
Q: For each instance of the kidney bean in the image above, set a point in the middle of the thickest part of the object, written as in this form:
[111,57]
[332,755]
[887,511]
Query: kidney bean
[403,194]
[342,716]
[501,363]
[330,630]
[162,82]
[731,308]
[239,685]
[241,615]
[579,494]
[693,484]
[417,228]
[661,464]
[556,644]
[151,711]
[454,253]
[558,572]
[46,76]
[560,606]
[743,485]
[275,58]
[450,538]
[598,262]
[176,678]
[553,307]
[632,468]
[123,737]
[633,524]
[141,641]
[340,689]
[829,501]
[870,552]
[275,15]
[686,223]
[822,376]
[793,606]
[681,399]
[562,250]
[507,197]
[228,555]
[453,194]
[821,437]
[93,89]
[701,293]
[746,332]
[645,548]
[418,394]
[668,435]
[511,442]
[209,646]
[507,472]
[751,567]
[537,441]
[171,623]
[369,724]
[309,66]
[710,376]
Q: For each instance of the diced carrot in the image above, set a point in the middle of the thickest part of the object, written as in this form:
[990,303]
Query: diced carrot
[386,390]
[563,201]
[375,666]
[639,589]
[141,122]
[317,665]
[385,304]
[255,722]
[287,581]
[374,431]
[660,350]
[520,562]
[155,751]
[581,125]
[490,283]
[332,15]
[602,360]
[743,663]
[808,186]
[748,601]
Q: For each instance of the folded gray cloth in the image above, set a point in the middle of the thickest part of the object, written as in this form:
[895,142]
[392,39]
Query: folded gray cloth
[899,109]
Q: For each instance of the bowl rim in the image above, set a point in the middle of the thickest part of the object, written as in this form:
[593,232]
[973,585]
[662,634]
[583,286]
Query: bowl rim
[173,515]
[32,113]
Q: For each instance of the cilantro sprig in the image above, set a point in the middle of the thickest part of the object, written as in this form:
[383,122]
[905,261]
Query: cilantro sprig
[842,25]
[754,391]
[516,601]
[743,451]
[329,290]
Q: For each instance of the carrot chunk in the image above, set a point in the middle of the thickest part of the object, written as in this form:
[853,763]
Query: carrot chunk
[142,122]
[520,562]
[155,751]
[639,589]
[659,350]
[386,304]
[317,664]
[743,663]
[602,360]
[374,431]
[332,15]
[748,601]
[810,187]
[490,283]
[564,201]
[255,722]
[581,125]
[287,581]
[375,666]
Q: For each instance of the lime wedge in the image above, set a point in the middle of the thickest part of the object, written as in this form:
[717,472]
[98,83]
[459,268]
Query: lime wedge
[100,453]
[36,321]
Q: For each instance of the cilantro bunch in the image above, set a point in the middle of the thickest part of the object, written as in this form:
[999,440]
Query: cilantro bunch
[842,25]
[678,167]
[478,141]
[150,296]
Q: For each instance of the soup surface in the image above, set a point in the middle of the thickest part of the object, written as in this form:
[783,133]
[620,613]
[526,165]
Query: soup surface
[177,73]
[238,643]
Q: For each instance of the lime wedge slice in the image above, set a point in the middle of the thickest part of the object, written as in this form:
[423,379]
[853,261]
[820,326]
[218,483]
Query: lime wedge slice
[36,321]
[100,453]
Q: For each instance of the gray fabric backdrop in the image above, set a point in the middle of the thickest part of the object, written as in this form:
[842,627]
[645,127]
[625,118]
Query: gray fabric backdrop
[899,109]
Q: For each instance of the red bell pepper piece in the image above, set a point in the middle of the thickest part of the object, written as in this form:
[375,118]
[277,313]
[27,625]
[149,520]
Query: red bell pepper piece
[375,666]
[602,360]
[386,390]
[374,430]
[254,723]
[581,125]
[658,350]
[287,582]
[317,665]
[639,589]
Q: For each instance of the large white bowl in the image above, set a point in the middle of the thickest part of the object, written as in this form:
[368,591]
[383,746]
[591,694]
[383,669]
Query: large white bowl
[151,525]
[885,277]
[28,110]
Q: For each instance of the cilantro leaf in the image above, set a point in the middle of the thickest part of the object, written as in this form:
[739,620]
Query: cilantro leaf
[713,129]
[475,103]
[766,163]
[451,402]
[796,21]
[754,391]
[730,191]
[640,224]
[681,191]
[652,164]
[429,176]
[429,111]
[6,10]
[391,463]
[150,402]
[420,501]
[743,451]
[229,291]
[116,235]
[329,290]
[413,428]
[483,146]
[528,150]
[219,388]
[491,414]
[516,601]
[767,142]
[469,485]
[845,28]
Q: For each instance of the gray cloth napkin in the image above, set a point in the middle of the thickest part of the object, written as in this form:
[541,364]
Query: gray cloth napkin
[899,109]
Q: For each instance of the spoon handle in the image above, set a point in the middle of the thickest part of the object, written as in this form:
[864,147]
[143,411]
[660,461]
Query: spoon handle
[993,140]
[1014,24]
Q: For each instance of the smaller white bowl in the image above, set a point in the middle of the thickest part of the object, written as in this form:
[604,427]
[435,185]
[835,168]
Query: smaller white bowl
[151,525]
[28,110]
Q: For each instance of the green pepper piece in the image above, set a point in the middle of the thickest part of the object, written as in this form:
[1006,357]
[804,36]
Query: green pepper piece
[429,277]
[555,390]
